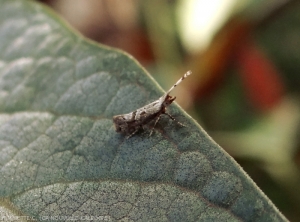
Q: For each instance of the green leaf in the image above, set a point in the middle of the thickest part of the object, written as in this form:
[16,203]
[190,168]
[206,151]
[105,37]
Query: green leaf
[60,156]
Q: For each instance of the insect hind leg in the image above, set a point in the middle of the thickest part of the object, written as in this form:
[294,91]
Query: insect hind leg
[134,132]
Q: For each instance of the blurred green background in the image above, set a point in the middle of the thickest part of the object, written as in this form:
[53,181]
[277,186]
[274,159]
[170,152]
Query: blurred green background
[245,59]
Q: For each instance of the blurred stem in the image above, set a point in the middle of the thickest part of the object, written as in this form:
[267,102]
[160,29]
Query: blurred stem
[160,20]
[287,175]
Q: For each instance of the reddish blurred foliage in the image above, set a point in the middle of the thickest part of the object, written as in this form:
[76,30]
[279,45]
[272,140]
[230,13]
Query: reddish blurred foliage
[234,47]
[113,23]
[261,79]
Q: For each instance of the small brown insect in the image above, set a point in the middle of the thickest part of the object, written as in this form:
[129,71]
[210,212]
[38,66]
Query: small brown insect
[130,123]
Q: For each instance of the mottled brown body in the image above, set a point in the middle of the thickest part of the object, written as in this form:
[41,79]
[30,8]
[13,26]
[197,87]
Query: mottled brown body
[130,123]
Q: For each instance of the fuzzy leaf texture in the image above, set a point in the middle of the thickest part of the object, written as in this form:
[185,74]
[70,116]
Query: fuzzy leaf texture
[60,157]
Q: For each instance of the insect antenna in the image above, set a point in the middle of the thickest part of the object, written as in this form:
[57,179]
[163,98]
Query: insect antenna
[179,81]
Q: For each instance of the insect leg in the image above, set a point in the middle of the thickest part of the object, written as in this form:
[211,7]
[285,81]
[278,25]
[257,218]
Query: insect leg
[156,121]
[172,118]
[134,132]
